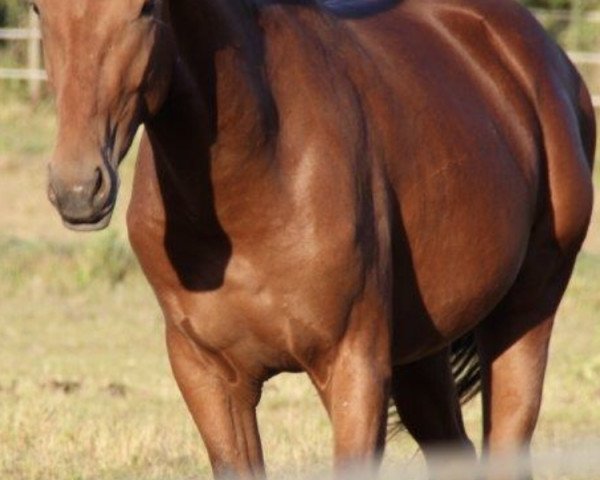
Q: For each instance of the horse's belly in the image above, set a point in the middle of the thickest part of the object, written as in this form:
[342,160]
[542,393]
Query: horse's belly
[437,315]
[455,262]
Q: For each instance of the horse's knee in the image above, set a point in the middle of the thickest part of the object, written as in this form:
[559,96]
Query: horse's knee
[515,426]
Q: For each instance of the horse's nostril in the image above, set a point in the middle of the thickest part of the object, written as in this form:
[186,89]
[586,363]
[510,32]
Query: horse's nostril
[102,187]
[99,182]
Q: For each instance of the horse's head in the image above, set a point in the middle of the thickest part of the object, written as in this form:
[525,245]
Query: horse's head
[109,63]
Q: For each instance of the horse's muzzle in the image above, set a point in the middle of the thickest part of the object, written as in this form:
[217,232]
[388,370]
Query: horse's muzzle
[85,202]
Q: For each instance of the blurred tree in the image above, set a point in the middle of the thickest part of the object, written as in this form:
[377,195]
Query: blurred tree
[548,3]
[12,12]
[564,4]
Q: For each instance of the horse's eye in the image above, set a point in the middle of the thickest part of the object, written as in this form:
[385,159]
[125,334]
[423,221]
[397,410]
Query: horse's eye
[148,8]
[35,8]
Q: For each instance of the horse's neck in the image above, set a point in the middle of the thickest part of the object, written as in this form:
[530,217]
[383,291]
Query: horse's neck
[221,44]
[218,119]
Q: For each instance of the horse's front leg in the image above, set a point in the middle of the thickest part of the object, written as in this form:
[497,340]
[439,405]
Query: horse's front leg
[354,386]
[223,407]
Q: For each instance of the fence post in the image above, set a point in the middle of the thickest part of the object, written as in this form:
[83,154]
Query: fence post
[34,56]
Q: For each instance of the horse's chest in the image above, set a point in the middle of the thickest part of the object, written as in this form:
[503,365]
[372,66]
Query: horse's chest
[263,319]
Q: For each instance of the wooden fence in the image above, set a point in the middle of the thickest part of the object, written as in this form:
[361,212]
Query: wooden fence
[35,75]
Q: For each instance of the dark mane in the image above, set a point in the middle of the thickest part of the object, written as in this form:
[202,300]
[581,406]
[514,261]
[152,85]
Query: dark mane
[338,8]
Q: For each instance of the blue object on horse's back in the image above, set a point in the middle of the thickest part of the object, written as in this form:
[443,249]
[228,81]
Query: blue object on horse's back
[340,8]
[356,8]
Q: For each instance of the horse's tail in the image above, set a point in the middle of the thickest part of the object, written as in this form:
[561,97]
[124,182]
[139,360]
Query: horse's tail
[466,370]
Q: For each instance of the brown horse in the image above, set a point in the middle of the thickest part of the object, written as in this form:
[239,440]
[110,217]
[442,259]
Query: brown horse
[340,189]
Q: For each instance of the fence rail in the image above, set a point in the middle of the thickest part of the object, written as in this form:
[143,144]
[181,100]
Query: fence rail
[20,34]
[36,75]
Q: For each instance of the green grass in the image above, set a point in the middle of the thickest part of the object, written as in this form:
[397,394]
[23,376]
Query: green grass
[27,130]
[25,262]
[85,387]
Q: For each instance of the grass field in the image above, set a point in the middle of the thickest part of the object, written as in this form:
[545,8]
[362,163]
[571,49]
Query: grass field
[85,388]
